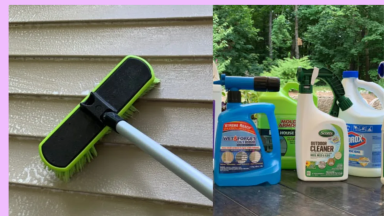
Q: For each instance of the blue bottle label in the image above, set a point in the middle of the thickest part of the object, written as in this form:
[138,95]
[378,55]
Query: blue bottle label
[240,149]
[364,145]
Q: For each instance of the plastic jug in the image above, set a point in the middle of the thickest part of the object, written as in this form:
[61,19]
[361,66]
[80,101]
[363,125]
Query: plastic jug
[285,112]
[364,127]
[321,139]
[240,159]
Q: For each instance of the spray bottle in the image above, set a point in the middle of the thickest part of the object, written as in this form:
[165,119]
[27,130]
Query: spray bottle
[364,127]
[321,139]
[240,158]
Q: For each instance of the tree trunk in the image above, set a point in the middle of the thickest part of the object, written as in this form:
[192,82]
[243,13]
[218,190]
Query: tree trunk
[296,32]
[293,48]
[352,65]
[270,36]
[367,78]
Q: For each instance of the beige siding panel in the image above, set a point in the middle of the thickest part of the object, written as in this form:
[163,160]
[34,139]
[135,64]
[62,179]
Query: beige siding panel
[32,201]
[117,170]
[180,39]
[180,80]
[173,124]
[54,13]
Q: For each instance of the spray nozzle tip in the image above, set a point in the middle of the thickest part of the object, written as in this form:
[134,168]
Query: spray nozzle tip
[217,82]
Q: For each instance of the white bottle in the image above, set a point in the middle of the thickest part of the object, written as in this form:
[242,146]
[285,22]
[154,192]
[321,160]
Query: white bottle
[364,127]
[217,101]
[321,139]
[381,74]
[382,144]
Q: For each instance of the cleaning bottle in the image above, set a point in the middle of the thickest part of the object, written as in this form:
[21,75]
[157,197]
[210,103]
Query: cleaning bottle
[240,159]
[216,107]
[364,127]
[321,139]
[286,120]
[380,71]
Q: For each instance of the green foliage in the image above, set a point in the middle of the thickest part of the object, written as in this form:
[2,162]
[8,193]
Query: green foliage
[249,96]
[219,42]
[268,63]
[375,77]
[286,69]
[280,34]
[236,21]
[341,37]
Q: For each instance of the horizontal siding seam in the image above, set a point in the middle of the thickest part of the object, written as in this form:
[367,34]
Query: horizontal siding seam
[72,98]
[139,22]
[165,59]
[155,201]
[79,97]
[101,142]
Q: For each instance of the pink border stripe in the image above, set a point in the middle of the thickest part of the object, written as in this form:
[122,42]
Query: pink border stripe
[4,111]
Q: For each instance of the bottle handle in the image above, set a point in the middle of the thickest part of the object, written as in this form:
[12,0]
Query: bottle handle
[269,111]
[288,86]
[372,87]
[294,85]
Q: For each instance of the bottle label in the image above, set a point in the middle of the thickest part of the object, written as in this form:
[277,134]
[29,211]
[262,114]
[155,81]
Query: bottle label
[240,148]
[286,132]
[326,151]
[364,145]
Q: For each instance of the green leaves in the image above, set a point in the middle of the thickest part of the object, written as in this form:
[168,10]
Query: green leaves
[346,37]
[281,33]
[337,37]
[233,46]
[286,69]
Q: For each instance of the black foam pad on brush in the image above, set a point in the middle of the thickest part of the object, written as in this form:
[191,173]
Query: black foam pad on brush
[78,131]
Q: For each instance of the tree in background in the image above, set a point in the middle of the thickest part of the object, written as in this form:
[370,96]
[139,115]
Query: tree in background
[281,38]
[238,49]
[220,43]
[297,55]
[340,38]
[346,38]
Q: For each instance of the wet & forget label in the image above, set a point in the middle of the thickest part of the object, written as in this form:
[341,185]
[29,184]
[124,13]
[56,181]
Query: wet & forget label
[240,148]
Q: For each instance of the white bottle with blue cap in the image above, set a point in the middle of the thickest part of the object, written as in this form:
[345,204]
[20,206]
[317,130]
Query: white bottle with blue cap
[364,125]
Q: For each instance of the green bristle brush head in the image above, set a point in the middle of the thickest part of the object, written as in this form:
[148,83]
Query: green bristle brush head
[70,145]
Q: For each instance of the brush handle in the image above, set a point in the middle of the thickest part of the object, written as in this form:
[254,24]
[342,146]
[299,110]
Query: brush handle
[185,171]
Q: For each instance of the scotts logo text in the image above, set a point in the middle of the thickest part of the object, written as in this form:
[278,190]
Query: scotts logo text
[356,140]
[326,133]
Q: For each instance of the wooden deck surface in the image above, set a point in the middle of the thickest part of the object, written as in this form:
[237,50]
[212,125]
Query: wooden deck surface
[355,196]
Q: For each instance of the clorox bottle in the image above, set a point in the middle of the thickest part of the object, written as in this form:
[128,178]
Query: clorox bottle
[240,158]
[321,139]
[364,127]
[286,120]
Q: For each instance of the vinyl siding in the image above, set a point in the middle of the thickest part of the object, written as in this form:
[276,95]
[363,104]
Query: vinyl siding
[58,54]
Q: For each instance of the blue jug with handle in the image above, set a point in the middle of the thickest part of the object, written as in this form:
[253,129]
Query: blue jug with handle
[240,156]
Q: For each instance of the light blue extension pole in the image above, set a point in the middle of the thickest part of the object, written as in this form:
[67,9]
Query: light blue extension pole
[185,171]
